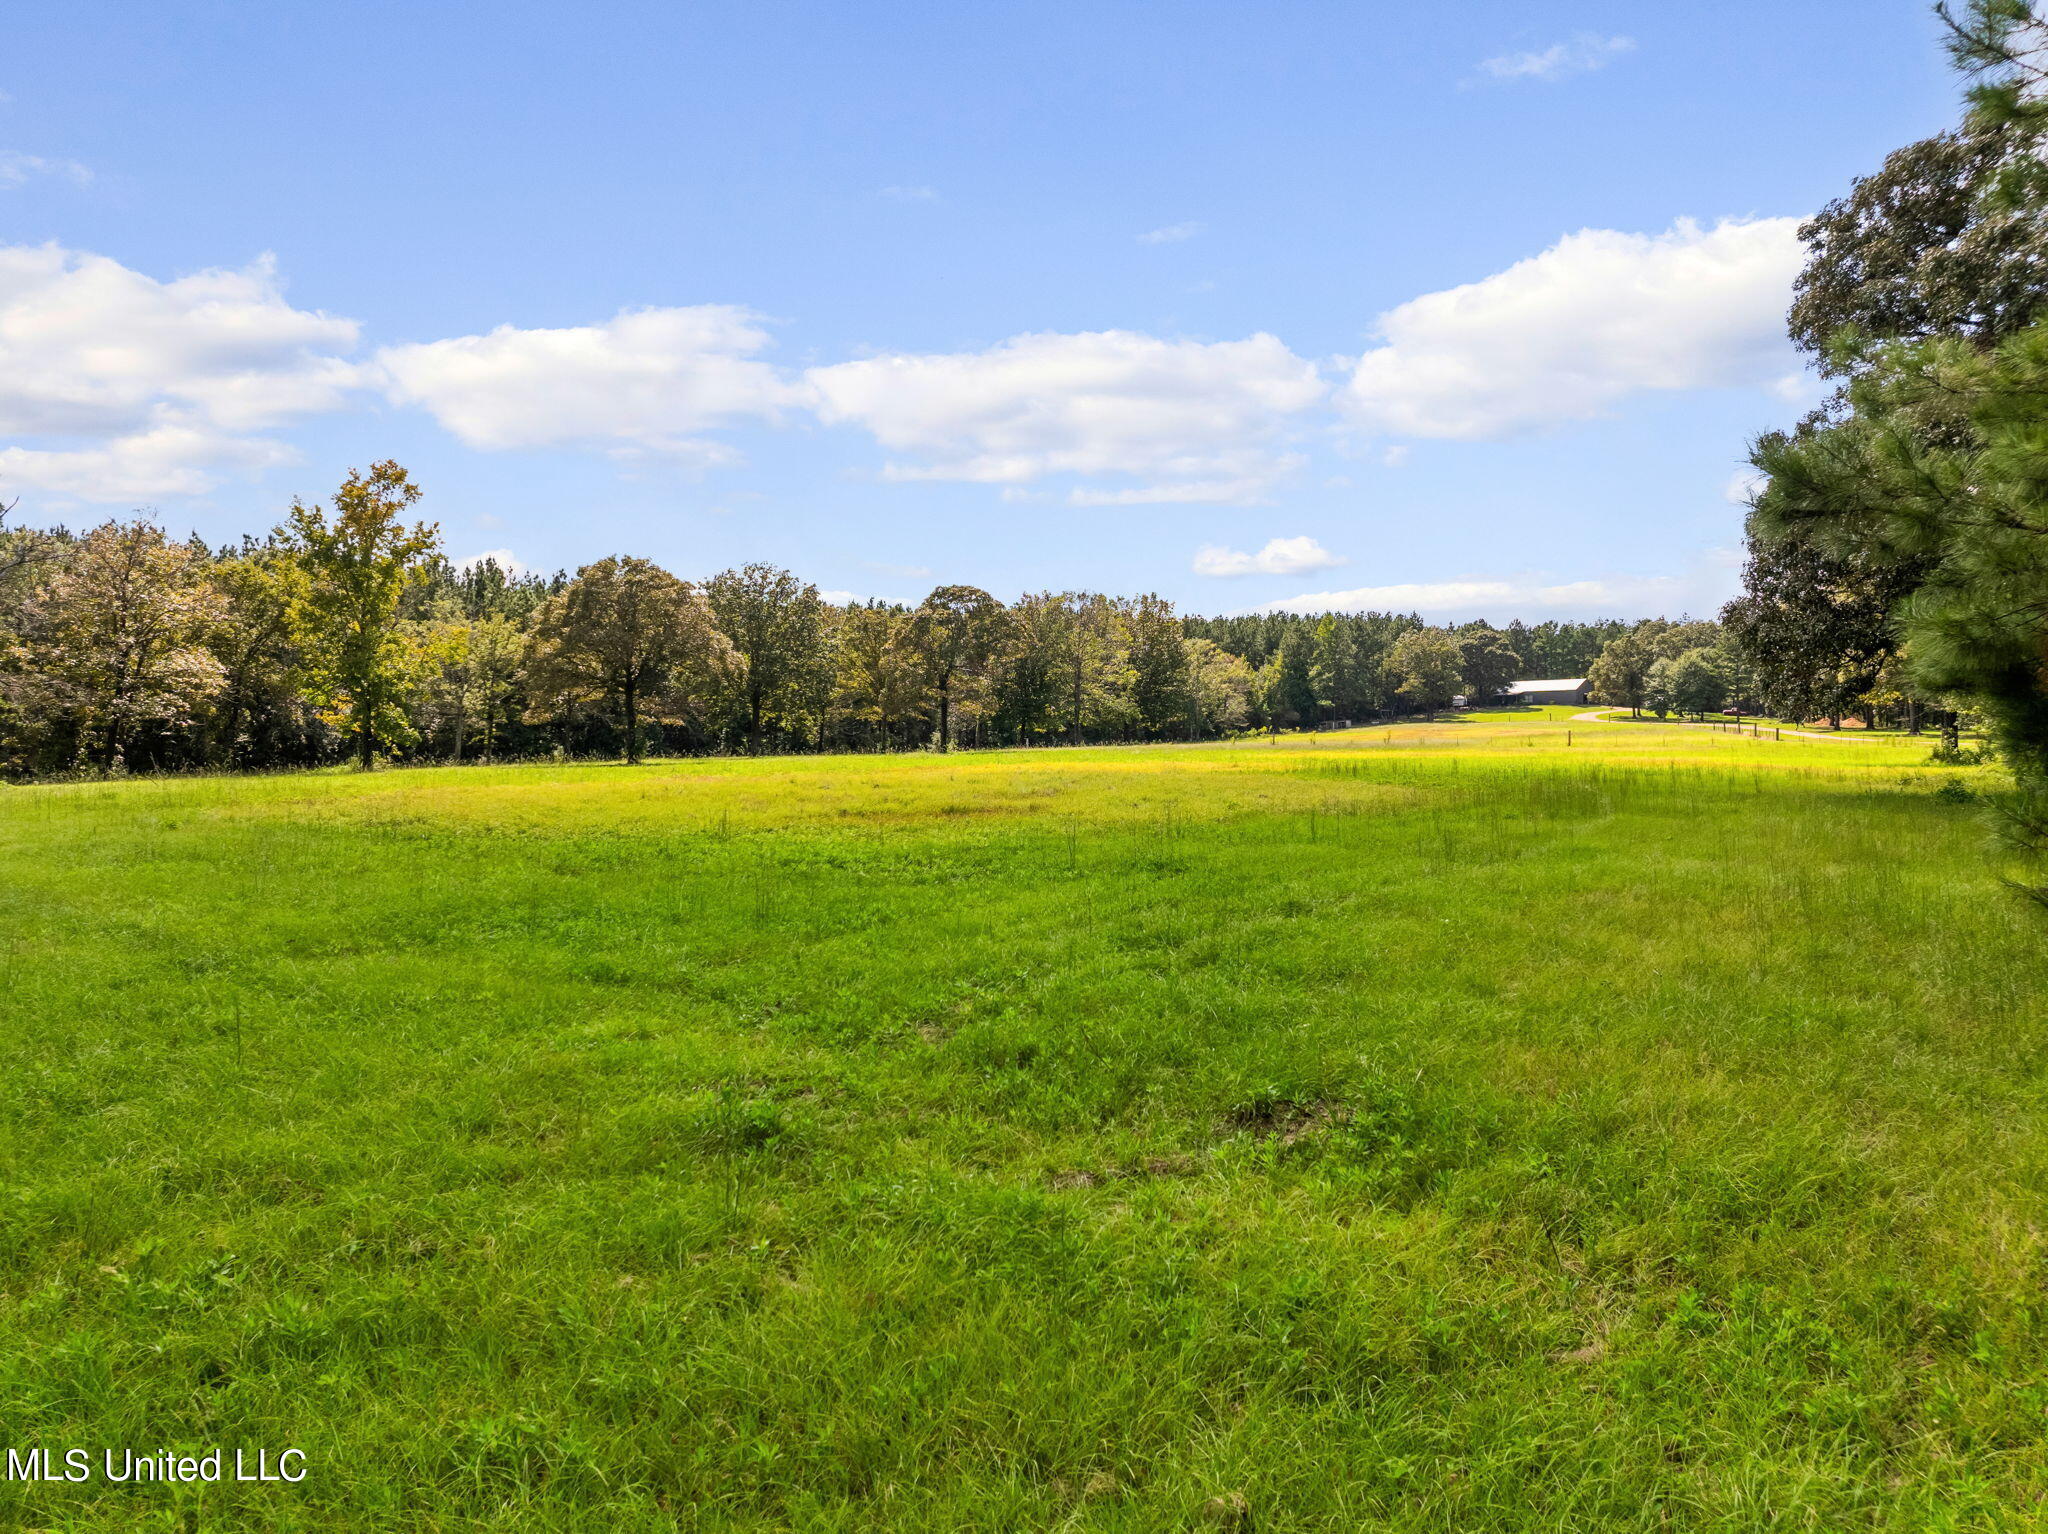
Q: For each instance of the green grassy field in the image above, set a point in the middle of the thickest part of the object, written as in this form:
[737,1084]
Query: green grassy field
[1439,1128]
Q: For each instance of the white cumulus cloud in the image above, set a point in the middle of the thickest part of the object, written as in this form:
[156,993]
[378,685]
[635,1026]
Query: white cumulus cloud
[646,379]
[1246,489]
[171,459]
[17,170]
[1170,234]
[127,388]
[1188,420]
[117,386]
[504,559]
[1743,487]
[1502,597]
[1280,556]
[1581,55]
[1567,334]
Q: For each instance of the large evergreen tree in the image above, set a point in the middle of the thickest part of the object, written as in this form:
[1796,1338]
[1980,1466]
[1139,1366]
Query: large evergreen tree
[1337,668]
[1290,680]
[1923,291]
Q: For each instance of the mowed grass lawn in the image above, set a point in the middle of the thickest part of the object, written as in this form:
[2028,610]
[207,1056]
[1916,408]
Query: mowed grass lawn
[1445,1128]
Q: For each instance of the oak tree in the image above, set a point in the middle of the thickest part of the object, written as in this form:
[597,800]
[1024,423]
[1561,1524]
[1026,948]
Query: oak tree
[357,562]
[628,638]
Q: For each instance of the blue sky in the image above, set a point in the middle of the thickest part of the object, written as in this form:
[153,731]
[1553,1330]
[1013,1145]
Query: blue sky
[1470,309]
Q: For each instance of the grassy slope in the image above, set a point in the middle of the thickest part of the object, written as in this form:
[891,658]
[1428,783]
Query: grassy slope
[1441,1129]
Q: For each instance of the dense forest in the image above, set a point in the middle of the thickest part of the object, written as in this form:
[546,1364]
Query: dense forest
[347,633]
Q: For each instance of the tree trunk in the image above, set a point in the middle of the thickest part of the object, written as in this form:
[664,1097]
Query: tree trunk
[753,722]
[945,711]
[231,720]
[1912,716]
[113,735]
[632,724]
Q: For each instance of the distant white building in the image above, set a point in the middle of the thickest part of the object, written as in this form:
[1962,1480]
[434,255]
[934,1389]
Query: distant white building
[1570,689]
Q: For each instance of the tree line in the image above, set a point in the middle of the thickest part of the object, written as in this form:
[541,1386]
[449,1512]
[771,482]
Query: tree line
[347,634]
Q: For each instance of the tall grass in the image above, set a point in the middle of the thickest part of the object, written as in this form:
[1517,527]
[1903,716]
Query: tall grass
[1439,1129]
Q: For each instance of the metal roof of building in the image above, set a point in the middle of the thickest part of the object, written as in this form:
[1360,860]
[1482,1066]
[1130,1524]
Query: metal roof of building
[1557,684]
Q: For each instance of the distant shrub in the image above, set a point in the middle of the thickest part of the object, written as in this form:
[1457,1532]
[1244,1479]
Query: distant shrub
[1958,756]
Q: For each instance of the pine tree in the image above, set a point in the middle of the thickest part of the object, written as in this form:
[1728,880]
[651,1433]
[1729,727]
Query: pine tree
[1290,690]
[1336,670]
